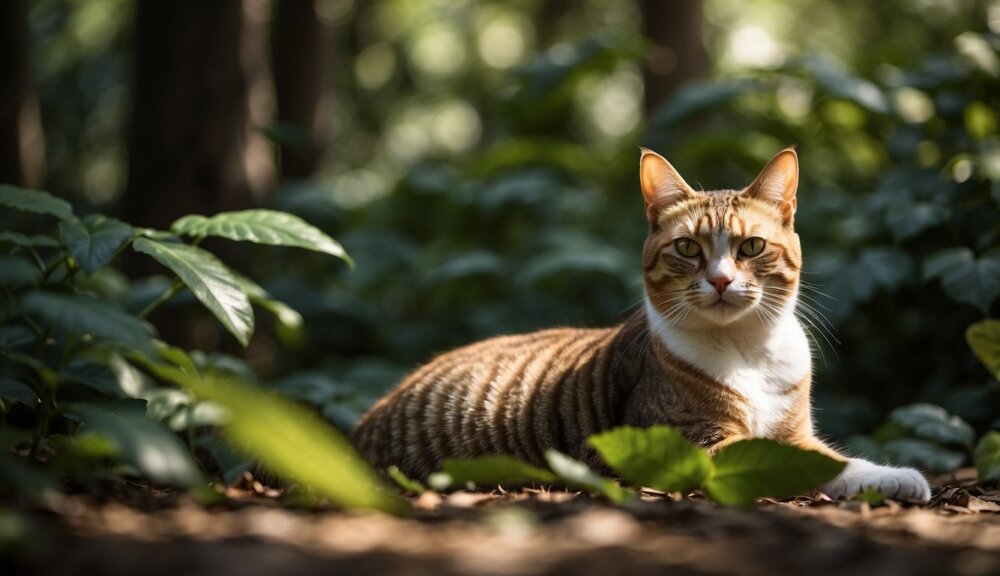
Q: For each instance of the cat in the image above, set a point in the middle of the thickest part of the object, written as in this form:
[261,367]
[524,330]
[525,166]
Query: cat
[716,351]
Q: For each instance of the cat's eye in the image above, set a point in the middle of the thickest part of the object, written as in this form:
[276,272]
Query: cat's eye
[687,247]
[752,246]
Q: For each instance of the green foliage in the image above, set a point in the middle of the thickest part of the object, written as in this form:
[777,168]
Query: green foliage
[261,227]
[659,457]
[965,277]
[154,451]
[489,470]
[209,280]
[987,456]
[984,339]
[82,314]
[922,435]
[85,381]
[35,201]
[750,469]
[579,475]
[95,240]
[405,482]
[934,423]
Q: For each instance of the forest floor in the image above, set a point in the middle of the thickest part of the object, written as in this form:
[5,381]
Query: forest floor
[525,532]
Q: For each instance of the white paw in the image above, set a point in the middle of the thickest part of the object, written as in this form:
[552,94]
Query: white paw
[895,483]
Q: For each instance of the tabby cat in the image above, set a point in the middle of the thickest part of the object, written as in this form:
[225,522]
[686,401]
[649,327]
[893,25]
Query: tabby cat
[716,351]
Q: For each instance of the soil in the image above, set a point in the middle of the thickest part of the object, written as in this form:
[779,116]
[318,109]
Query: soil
[529,532]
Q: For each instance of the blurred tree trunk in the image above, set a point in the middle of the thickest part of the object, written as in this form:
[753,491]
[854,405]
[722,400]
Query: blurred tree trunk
[302,51]
[198,102]
[22,152]
[677,54]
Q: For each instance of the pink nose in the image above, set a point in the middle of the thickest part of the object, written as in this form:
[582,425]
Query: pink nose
[721,283]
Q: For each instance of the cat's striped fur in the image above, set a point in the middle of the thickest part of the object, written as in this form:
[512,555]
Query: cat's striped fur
[716,352]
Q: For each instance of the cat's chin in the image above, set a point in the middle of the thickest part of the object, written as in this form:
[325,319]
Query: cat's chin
[723,313]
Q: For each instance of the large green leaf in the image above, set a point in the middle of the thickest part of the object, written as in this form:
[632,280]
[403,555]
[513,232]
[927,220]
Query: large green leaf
[966,278]
[489,471]
[261,227]
[81,313]
[16,272]
[288,316]
[750,469]
[35,201]
[934,423]
[922,454]
[210,281]
[659,457]
[18,392]
[984,339]
[95,240]
[579,475]
[293,442]
[154,451]
[25,241]
[987,456]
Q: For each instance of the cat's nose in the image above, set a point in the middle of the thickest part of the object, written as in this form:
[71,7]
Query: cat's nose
[721,283]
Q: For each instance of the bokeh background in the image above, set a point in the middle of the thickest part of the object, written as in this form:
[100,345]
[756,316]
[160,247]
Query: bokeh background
[478,160]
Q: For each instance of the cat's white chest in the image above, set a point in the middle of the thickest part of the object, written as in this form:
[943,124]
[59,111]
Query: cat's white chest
[761,366]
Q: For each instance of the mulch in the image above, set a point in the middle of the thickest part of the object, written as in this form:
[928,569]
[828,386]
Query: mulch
[524,532]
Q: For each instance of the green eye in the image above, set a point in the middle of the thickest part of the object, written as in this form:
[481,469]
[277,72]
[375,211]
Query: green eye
[687,247]
[752,246]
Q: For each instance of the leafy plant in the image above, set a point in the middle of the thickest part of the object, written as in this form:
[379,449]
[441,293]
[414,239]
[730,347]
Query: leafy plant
[84,378]
[660,457]
[987,456]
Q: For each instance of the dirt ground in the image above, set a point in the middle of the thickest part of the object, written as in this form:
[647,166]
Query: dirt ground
[526,532]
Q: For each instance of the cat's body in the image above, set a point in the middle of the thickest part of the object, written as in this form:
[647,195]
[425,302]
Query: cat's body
[716,351]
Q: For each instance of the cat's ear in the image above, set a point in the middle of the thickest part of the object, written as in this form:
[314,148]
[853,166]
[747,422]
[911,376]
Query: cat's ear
[662,186]
[778,182]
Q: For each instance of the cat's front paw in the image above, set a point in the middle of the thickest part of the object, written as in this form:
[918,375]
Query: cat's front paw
[896,483]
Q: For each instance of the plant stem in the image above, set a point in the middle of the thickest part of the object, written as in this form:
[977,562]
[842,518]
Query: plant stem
[169,293]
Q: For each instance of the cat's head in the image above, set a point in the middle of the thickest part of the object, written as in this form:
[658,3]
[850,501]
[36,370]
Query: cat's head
[717,257]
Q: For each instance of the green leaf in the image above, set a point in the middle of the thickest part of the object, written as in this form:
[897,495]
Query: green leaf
[24,241]
[18,392]
[984,339]
[922,454]
[697,98]
[751,469]
[870,495]
[35,201]
[288,316]
[987,456]
[489,471]
[839,82]
[16,272]
[290,441]
[579,475]
[210,281]
[405,482]
[261,227]
[152,449]
[95,240]
[80,313]
[659,457]
[934,423]
[965,278]
[231,463]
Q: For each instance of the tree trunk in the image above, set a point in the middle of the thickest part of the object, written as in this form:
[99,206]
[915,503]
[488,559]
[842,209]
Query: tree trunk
[22,151]
[678,53]
[194,146]
[302,51]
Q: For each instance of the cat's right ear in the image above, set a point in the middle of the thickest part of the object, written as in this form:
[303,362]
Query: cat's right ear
[662,186]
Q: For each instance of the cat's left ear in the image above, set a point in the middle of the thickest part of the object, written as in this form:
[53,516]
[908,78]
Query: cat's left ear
[777,183]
